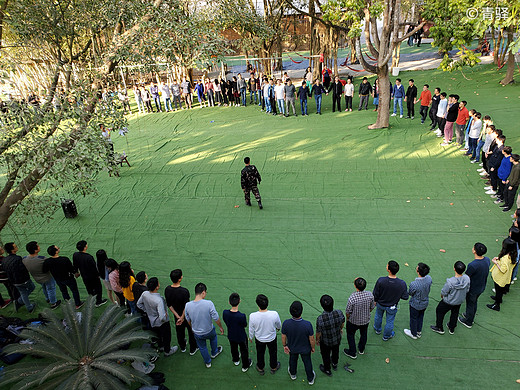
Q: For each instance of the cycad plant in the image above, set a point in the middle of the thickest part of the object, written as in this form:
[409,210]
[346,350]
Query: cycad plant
[79,352]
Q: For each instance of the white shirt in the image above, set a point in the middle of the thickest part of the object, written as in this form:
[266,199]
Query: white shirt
[443,106]
[476,126]
[166,91]
[263,325]
[279,91]
[266,90]
[349,89]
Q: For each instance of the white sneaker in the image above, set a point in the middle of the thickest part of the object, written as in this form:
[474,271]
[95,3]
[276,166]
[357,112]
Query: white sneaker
[394,114]
[493,290]
[208,365]
[293,377]
[484,173]
[473,161]
[481,164]
[488,188]
[515,279]
[172,351]
[408,332]
[490,192]
[444,144]
[481,170]
[314,377]
[400,116]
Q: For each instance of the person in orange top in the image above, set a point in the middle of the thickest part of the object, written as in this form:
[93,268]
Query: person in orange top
[426,101]
[462,120]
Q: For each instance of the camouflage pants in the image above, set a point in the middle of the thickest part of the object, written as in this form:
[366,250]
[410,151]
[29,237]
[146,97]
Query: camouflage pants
[255,191]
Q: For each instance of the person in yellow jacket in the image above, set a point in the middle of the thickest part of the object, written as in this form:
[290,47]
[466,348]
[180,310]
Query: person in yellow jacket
[501,271]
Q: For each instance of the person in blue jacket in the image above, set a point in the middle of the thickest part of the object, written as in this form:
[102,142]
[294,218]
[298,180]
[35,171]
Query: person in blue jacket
[398,96]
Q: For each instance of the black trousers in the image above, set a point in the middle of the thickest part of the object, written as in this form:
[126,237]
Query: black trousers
[423,112]
[509,196]
[442,123]
[244,352]
[410,107]
[70,283]
[348,102]
[307,363]
[351,337]
[442,309]
[260,353]
[181,336]
[336,100]
[93,287]
[433,116]
[272,101]
[493,177]
[501,189]
[164,334]
[13,292]
[329,354]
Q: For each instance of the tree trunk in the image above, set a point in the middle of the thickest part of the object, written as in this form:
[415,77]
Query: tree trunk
[510,71]
[383,110]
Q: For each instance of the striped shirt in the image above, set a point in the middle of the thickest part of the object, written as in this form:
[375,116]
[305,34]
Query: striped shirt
[359,305]
[329,324]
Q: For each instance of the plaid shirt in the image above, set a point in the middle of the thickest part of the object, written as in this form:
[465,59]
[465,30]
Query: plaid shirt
[329,324]
[359,305]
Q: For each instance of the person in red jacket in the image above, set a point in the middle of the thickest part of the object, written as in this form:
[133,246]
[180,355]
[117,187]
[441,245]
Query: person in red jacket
[462,120]
[426,101]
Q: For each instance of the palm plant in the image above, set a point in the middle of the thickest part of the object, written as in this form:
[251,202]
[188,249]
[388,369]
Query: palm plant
[79,352]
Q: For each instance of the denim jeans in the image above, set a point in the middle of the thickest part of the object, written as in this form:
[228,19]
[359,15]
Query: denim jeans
[303,104]
[391,311]
[140,105]
[515,270]
[260,97]
[253,93]
[158,104]
[25,290]
[133,306]
[318,102]
[416,320]
[398,101]
[476,153]
[472,146]
[49,290]
[167,104]
[203,347]
[243,95]
[281,106]
[471,307]
[267,105]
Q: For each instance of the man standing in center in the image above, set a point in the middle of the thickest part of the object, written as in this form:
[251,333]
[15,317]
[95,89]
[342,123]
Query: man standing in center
[263,325]
[477,271]
[365,89]
[329,326]
[290,97]
[387,293]
[298,340]
[200,314]
[249,179]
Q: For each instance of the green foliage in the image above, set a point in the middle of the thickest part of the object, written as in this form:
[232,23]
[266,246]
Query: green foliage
[64,143]
[349,13]
[184,34]
[465,58]
[452,27]
[80,352]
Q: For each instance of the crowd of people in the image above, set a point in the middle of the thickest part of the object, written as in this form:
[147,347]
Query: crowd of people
[195,319]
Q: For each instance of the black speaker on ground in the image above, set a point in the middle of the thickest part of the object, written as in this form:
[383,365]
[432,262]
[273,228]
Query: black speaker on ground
[69,208]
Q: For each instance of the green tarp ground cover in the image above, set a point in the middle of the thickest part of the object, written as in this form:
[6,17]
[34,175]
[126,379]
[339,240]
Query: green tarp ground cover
[339,202]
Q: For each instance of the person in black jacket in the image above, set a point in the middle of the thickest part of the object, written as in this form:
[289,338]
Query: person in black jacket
[250,178]
[18,276]
[11,289]
[318,91]
[436,98]
[303,94]
[337,92]
[365,90]
[63,273]
[87,267]
[410,99]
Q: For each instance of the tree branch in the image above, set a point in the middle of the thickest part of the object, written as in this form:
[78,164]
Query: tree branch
[324,22]
[368,67]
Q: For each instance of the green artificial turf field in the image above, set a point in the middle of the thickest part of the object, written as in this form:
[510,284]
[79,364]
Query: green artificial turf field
[339,202]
